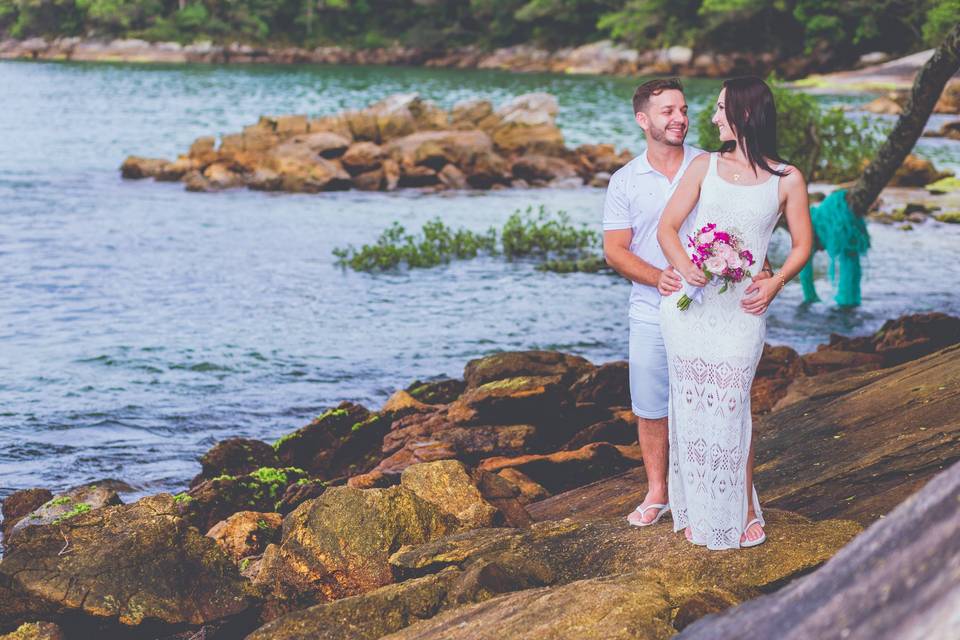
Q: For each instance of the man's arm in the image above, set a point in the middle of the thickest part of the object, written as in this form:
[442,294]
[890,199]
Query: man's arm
[616,251]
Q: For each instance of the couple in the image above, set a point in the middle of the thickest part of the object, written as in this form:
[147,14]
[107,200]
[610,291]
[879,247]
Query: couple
[691,370]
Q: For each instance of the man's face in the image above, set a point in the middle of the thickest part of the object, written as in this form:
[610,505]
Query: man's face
[665,118]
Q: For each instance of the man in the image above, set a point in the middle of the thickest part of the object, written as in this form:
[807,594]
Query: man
[636,197]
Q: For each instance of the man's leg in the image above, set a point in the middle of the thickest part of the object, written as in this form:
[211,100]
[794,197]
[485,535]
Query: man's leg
[649,394]
[652,435]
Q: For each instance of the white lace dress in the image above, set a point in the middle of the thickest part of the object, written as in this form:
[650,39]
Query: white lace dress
[713,349]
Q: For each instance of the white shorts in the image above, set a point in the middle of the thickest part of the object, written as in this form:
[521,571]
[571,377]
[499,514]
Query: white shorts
[649,376]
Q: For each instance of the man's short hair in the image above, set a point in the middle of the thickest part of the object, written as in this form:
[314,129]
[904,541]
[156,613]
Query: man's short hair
[641,97]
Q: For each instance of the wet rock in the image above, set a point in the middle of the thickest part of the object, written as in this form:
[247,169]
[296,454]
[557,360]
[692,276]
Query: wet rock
[138,564]
[820,362]
[910,337]
[916,172]
[884,105]
[607,385]
[591,551]
[343,441]
[564,470]
[218,498]
[513,364]
[529,491]
[235,456]
[35,631]
[361,157]
[246,533]
[511,401]
[298,493]
[608,608]
[778,367]
[176,170]
[949,101]
[137,168]
[447,485]
[63,507]
[338,544]
[436,392]
[21,503]
[539,168]
[895,580]
[470,113]
[518,137]
[621,429]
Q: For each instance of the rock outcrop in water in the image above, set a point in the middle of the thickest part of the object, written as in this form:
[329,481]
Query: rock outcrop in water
[494,507]
[402,141]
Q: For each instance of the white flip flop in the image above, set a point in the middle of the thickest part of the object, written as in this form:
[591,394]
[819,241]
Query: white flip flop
[753,543]
[662,509]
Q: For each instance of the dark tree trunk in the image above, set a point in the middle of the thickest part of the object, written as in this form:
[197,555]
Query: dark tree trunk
[927,87]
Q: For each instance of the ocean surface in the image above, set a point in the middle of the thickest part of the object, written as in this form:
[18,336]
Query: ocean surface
[139,323]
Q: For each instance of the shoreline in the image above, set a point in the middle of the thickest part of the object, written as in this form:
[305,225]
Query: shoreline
[598,58]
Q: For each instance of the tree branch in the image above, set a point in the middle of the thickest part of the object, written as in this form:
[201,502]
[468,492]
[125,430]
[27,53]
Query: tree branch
[927,87]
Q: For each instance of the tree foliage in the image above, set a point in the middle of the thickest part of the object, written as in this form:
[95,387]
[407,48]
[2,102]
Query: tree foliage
[837,29]
[824,144]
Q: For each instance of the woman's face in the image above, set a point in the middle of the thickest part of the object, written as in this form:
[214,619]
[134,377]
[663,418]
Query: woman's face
[720,119]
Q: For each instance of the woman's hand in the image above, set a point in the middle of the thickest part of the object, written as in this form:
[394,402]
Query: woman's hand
[760,294]
[694,275]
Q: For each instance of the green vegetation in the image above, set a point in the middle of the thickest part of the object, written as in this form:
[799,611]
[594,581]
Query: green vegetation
[56,502]
[77,510]
[951,217]
[533,233]
[182,498]
[824,144]
[833,30]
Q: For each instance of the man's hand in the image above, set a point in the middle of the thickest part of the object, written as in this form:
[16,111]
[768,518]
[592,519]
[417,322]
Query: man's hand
[669,281]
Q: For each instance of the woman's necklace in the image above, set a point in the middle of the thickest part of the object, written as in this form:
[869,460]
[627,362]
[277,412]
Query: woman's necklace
[736,177]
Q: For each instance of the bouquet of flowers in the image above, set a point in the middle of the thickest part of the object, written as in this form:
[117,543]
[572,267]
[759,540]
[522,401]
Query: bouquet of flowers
[721,256]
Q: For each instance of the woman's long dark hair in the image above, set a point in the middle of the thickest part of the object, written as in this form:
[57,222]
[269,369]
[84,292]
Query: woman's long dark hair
[752,115]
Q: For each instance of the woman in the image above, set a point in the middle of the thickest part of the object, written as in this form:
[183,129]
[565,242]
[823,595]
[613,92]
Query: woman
[713,346]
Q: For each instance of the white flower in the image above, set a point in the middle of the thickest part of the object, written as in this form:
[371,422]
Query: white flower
[734,261]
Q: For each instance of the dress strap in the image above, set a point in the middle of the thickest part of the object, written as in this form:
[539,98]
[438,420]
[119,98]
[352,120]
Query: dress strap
[712,167]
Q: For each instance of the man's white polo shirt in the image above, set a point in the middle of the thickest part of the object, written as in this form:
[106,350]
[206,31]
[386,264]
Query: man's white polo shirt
[636,197]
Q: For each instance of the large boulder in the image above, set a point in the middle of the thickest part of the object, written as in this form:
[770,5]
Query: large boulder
[447,485]
[656,556]
[338,545]
[137,167]
[138,564]
[246,533]
[434,149]
[913,336]
[523,399]
[607,385]
[916,172]
[513,364]
[362,157]
[21,503]
[564,470]
[35,631]
[65,506]
[898,579]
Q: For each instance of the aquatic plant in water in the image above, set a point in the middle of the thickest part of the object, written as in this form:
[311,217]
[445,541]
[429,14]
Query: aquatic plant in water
[534,232]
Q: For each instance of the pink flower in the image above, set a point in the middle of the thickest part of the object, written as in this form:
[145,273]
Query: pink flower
[733,261]
[715,265]
[746,255]
[722,236]
[706,237]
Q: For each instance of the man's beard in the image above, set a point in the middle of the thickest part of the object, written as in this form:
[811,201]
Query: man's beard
[660,135]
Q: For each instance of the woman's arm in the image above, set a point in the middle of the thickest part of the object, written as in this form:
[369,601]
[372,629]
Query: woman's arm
[797,211]
[678,208]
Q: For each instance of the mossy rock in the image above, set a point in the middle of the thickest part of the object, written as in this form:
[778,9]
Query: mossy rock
[341,442]
[949,217]
[235,456]
[338,545]
[944,185]
[513,364]
[214,500]
[138,565]
[35,631]
[438,391]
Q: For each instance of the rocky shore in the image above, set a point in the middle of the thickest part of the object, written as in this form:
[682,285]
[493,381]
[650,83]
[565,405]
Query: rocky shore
[602,57]
[492,506]
[401,141]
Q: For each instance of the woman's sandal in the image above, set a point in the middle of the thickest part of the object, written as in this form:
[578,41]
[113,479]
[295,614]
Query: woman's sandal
[662,509]
[753,543]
